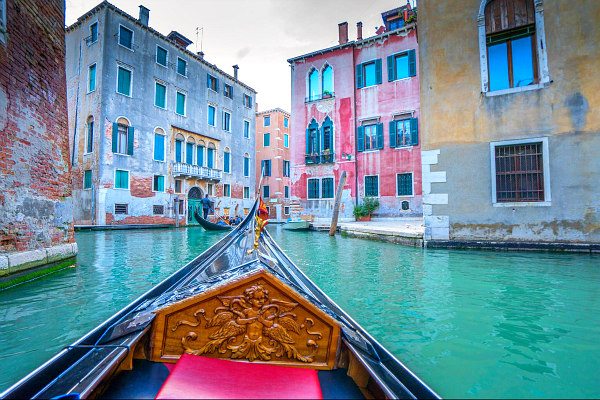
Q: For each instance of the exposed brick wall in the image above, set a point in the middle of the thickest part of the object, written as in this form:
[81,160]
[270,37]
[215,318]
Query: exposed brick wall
[34,148]
[144,219]
[141,186]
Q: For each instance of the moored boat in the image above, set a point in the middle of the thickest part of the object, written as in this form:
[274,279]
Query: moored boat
[239,321]
[211,226]
[297,225]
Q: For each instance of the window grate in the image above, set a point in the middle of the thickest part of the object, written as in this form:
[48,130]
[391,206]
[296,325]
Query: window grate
[158,209]
[519,173]
[121,208]
[372,186]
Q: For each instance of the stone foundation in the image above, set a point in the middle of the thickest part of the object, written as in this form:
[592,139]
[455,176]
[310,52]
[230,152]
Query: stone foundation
[12,263]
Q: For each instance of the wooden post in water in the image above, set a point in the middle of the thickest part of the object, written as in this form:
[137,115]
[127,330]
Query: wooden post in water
[336,205]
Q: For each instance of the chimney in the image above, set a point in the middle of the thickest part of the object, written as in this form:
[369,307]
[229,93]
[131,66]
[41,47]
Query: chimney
[343,31]
[359,31]
[201,54]
[144,15]
[235,71]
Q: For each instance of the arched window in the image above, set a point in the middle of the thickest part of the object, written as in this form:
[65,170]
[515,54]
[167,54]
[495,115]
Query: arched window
[313,85]
[511,44]
[200,153]
[246,164]
[312,142]
[122,137]
[159,144]
[210,156]
[327,81]
[327,140]
[189,151]
[226,160]
[89,139]
[179,140]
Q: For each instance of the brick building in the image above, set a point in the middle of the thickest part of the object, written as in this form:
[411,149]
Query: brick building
[154,126]
[273,157]
[36,224]
[355,108]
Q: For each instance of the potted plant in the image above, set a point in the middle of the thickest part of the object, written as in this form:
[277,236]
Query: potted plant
[363,212]
[327,94]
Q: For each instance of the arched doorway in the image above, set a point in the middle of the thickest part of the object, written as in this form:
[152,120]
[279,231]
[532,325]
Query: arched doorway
[194,203]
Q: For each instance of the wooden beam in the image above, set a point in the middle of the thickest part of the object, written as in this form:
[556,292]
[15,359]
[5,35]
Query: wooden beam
[336,206]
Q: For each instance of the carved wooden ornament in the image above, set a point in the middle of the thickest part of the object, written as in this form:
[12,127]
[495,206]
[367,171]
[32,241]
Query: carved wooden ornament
[256,318]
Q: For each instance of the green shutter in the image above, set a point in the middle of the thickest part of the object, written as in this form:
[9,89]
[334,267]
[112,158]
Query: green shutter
[391,69]
[308,141]
[160,95]
[412,63]
[115,137]
[359,76]
[207,80]
[124,81]
[226,162]
[159,147]
[216,85]
[380,136]
[414,131]
[130,131]
[360,138]
[92,83]
[392,134]
[378,70]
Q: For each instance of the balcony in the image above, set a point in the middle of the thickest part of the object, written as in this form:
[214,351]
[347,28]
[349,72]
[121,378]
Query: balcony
[319,96]
[195,171]
[323,158]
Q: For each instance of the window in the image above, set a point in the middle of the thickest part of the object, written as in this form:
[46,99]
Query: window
[246,192]
[210,189]
[247,129]
[227,190]
[266,139]
[124,81]
[312,138]
[121,179]
[404,132]
[161,56]
[327,137]
[370,137]
[158,209]
[286,192]
[227,161]
[327,188]
[3,21]
[228,91]
[247,101]
[211,115]
[286,122]
[371,185]
[313,186]
[93,33]
[404,184]
[246,165]
[87,179]
[286,140]
[521,171]
[89,139]
[125,37]
[180,104]
[266,191]
[122,137]
[158,183]
[160,95]
[313,85]
[178,150]
[286,168]
[210,157]
[159,145]
[91,78]
[212,83]
[181,66]
[267,120]
[178,185]
[189,153]
[266,167]
[327,81]
[121,208]
[226,121]
[402,65]
[200,155]
[286,210]
[368,74]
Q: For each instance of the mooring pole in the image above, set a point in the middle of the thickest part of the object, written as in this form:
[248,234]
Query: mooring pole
[336,205]
[176,202]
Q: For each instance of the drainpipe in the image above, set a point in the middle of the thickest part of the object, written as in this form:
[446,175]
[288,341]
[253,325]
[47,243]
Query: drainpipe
[355,126]
[76,107]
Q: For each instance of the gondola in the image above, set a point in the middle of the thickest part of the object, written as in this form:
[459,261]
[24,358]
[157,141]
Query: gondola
[239,321]
[210,226]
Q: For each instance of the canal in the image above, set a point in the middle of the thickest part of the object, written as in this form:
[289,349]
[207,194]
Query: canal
[470,323]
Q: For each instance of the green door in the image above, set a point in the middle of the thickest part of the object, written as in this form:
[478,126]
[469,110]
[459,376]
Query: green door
[194,204]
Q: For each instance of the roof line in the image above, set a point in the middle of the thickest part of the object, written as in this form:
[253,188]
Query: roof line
[105,3]
[273,110]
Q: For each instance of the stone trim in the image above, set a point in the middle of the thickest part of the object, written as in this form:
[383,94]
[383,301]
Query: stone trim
[11,263]
[437,227]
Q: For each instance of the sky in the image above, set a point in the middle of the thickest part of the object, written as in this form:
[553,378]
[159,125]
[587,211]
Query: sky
[258,35]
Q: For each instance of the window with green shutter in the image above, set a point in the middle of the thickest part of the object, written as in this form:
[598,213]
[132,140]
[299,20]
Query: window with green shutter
[246,192]
[159,183]
[124,81]
[93,33]
[267,120]
[180,104]
[210,155]
[161,56]
[160,95]
[226,162]
[92,78]
[286,140]
[212,83]
[178,151]
[89,146]
[125,37]
[286,122]
[368,74]
[327,188]
[227,190]
[122,139]
[189,153]
[313,186]
[226,121]
[286,192]
[181,67]
[371,185]
[266,139]
[246,166]
[121,179]
[286,168]
[401,65]
[404,184]
[211,115]
[266,167]
[266,191]
[87,179]
[200,156]
[159,147]
[247,129]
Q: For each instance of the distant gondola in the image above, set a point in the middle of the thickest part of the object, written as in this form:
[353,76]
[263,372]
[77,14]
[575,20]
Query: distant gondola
[210,226]
[238,321]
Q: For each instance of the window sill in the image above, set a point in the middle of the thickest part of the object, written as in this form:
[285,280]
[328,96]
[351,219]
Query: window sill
[181,115]
[116,188]
[409,196]
[528,88]
[402,79]
[87,153]
[184,76]
[524,204]
[125,95]
[369,151]
[411,146]
[212,90]
[161,108]
[122,154]
[90,91]
[162,65]
[128,48]
[162,161]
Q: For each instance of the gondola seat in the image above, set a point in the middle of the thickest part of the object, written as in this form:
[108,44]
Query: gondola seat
[196,377]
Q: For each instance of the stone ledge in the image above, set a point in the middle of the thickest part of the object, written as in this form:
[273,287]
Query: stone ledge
[514,245]
[11,263]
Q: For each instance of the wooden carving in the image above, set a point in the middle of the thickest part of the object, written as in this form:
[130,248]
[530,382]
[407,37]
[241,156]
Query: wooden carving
[256,319]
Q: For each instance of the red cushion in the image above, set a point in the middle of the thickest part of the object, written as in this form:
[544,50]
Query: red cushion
[196,377]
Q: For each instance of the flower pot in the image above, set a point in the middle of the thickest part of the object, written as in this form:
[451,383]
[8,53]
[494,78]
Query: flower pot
[365,218]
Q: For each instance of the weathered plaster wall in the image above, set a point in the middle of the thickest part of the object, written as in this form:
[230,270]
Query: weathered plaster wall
[459,122]
[35,171]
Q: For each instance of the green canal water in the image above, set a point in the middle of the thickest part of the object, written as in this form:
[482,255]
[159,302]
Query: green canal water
[469,323]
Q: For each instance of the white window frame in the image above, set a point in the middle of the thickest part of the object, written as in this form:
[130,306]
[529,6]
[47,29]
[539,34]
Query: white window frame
[162,83]
[208,115]
[244,192]
[164,184]
[95,65]
[177,67]
[288,190]
[164,145]
[128,179]
[90,30]
[230,163]
[412,179]
[175,186]
[263,141]
[244,101]
[130,69]
[265,118]
[362,66]
[132,37]
[546,161]
[87,134]
[321,187]
[84,171]
[179,91]
[156,56]
[223,122]
[119,136]
[224,87]
[224,195]
[378,186]
[243,169]
[318,191]
[243,127]
[216,83]
[210,189]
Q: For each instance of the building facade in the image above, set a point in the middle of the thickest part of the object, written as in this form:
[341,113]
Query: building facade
[355,108]
[153,126]
[510,139]
[273,161]
[36,221]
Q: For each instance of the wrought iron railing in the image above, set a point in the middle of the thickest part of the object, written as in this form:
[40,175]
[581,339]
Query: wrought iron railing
[197,171]
[323,158]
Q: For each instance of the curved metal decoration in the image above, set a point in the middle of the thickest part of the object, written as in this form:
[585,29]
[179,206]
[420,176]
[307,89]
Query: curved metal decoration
[260,221]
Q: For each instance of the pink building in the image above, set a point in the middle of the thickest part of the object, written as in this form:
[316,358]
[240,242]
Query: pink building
[355,108]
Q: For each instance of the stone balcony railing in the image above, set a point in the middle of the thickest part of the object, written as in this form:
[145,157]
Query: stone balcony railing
[323,158]
[195,171]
